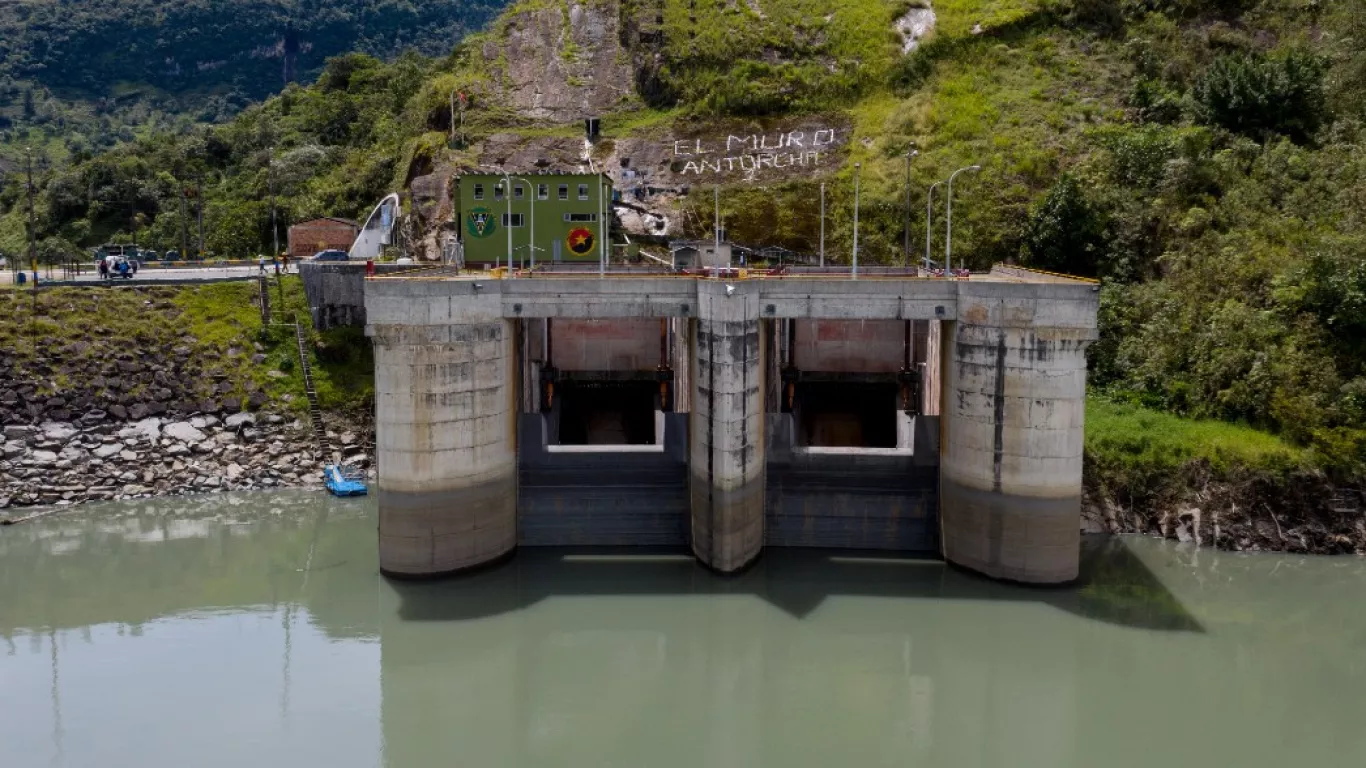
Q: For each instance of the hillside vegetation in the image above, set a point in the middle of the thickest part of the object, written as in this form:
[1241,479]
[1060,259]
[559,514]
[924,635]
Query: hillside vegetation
[1203,157]
[76,77]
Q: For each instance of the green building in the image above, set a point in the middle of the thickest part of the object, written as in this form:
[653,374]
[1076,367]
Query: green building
[567,211]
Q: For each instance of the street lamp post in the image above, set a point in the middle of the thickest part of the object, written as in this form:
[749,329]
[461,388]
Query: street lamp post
[857,166]
[822,225]
[948,232]
[531,236]
[507,192]
[604,235]
[929,222]
[907,248]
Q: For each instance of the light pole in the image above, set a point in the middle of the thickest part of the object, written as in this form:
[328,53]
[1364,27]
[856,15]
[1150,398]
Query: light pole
[531,237]
[604,224]
[507,192]
[716,220]
[907,249]
[929,222]
[857,166]
[948,232]
[822,225]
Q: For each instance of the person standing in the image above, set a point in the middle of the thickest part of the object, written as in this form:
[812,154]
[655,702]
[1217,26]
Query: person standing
[104,269]
[263,264]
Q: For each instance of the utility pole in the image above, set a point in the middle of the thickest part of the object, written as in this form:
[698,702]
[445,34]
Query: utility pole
[199,197]
[274,226]
[184,225]
[32,231]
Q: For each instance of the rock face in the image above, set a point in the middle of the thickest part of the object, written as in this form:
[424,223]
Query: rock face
[914,26]
[111,460]
[563,62]
[184,432]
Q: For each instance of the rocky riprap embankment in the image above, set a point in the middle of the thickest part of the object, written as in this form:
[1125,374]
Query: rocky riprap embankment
[99,458]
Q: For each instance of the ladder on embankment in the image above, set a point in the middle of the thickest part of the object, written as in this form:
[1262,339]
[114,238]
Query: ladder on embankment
[315,413]
[265,300]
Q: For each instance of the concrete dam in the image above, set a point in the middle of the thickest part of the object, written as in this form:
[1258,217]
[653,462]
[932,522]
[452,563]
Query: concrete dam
[726,414]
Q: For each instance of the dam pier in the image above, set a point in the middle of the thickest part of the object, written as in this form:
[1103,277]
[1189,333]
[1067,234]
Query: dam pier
[726,414]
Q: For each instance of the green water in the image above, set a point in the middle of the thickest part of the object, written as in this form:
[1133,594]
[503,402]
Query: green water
[253,630]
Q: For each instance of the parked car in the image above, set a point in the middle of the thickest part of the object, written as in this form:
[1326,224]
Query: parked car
[329,256]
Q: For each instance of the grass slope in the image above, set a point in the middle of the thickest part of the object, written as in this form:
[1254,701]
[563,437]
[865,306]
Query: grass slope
[219,323]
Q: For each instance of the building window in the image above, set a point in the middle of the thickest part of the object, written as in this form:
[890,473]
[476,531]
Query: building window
[583,191]
[516,220]
[542,191]
[518,191]
[478,191]
[564,191]
[581,218]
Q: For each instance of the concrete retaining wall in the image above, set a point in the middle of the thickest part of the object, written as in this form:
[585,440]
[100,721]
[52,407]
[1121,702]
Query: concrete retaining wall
[336,291]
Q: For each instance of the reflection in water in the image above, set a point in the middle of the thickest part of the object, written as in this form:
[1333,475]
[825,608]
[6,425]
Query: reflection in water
[241,629]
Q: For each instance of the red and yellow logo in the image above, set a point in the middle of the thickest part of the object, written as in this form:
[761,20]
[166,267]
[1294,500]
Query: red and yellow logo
[580,241]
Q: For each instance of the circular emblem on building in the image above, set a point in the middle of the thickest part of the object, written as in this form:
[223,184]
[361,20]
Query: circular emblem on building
[479,222]
[580,241]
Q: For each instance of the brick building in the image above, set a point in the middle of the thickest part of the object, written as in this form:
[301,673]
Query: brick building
[325,234]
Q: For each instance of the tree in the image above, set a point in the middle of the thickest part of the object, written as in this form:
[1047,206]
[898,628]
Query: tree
[1066,233]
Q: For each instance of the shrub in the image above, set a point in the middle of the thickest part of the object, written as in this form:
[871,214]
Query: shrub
[1259,95]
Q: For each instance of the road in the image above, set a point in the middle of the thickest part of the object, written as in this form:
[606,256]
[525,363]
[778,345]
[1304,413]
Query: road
[154,274]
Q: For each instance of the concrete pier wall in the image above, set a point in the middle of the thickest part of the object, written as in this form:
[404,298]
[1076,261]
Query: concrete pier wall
[727,462]
[1014,410]
[445,415]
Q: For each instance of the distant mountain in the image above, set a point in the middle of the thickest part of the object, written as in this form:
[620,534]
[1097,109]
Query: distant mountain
[95,47]
[78,77]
